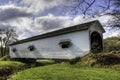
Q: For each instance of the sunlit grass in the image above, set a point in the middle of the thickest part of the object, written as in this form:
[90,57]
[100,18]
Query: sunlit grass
[10,64]
[67,72]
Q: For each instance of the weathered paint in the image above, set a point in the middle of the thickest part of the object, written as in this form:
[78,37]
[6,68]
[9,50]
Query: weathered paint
[96,28]
[50,48]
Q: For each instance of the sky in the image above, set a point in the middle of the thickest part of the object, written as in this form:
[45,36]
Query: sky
[34,17]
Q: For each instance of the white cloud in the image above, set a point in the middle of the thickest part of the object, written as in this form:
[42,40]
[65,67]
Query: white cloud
[44,24]
[110,34]
[26,27]
[41,5]
[105,19]
[21,24]
[20,17]
[116,33]
[79,19]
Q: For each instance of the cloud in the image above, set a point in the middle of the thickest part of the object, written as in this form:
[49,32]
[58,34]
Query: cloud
[25,17]
[4,26]
[27,27]
[8,12]
[20,16]
[104,19]
[111,34]
[26,34]
[50,21]
[41,5]
[21,24]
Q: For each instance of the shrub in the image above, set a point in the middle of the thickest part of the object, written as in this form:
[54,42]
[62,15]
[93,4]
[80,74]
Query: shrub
[111,44]
[74,60]
[109,59]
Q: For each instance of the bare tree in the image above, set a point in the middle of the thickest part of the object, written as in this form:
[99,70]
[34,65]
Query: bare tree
[97,8]
[115,21]
[6,36]
[90,7]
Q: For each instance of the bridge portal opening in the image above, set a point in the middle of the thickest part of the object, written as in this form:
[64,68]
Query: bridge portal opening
[96,42]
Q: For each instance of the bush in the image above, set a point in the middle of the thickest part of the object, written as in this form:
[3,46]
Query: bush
[111,44]
[115,52]
[5,58]
[109,59]
[74,60]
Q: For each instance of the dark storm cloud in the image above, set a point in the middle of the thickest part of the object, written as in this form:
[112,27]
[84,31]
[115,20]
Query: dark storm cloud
[11,13]
[50,21]
[4,27]
[51,24]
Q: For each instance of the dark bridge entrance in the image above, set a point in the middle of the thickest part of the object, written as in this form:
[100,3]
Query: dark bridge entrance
[96,42]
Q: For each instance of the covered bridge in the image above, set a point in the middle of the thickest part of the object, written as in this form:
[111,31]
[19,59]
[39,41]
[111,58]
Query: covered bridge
[66,43]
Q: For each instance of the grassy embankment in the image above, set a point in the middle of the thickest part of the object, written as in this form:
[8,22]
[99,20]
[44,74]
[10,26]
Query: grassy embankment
[88,68]
[14,64]
[67,72]
[9,67]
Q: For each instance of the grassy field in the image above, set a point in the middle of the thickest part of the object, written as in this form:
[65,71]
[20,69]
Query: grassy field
[88,67]
[67,72]
[10,64]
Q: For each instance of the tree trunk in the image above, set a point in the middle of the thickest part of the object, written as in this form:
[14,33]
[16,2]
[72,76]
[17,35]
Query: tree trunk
[2,49]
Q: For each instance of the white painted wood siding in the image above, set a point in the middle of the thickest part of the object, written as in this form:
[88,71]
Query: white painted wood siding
[50,48]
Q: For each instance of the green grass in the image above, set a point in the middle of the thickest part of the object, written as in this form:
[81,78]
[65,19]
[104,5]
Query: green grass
[67,72]
[10,64]
[46,62]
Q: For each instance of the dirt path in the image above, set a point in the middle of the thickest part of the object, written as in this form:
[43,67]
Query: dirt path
[10,77]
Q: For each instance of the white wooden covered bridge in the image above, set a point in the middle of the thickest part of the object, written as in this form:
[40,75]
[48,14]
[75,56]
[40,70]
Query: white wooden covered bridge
[66,43]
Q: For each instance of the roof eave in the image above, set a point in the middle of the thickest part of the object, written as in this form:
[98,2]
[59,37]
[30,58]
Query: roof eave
[75,28]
